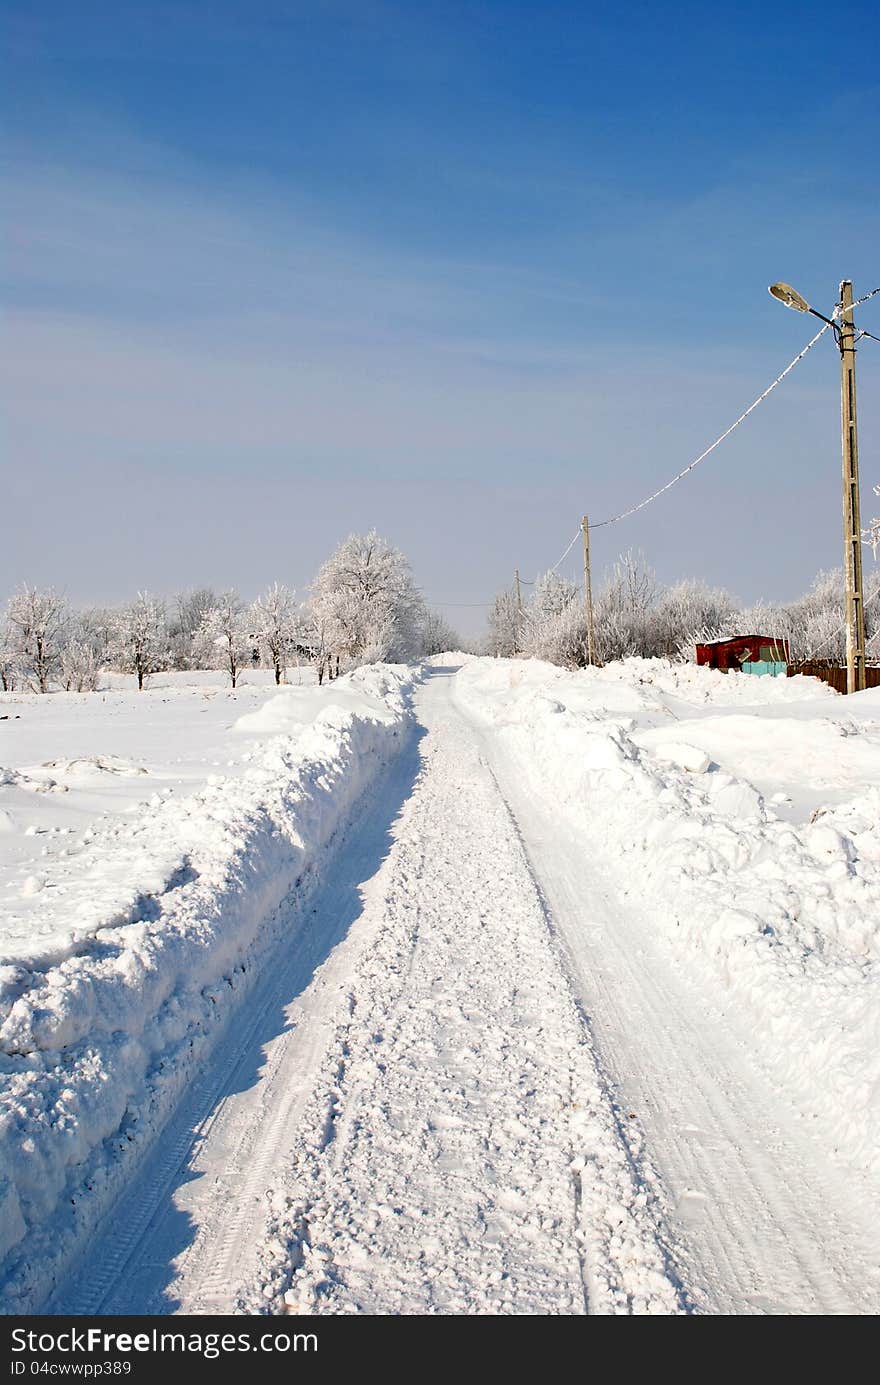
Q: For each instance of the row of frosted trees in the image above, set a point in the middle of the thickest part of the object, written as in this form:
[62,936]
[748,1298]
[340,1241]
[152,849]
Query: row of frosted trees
[634,614]
[362,606]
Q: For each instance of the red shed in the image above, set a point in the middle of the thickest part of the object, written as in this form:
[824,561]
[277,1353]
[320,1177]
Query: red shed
[744,652]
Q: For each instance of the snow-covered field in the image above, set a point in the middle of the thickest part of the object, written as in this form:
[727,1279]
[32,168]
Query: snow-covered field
[72,761]
[551,992]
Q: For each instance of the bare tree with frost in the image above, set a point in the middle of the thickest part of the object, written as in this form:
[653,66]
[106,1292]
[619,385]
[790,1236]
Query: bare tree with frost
[562,638]
[542,628]
[275,622]
[814,624]
[36,622]
[366,603]
[690,612]
[190,611]
[225,639]
[139,642]
[317,631]
[624,608]
[10,671]
[552,595]
[505,619]
[84,653]
[101,624]
[438,636]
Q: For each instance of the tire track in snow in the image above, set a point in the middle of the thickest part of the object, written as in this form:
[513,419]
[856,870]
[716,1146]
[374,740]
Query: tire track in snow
[641,1171]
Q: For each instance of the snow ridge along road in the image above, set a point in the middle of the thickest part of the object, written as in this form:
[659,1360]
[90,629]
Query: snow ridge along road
[428,1130]
[103,1030]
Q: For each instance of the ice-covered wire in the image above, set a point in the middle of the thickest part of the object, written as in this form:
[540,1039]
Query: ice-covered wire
[625,514]
[557,564]
[863,299]
[568,550]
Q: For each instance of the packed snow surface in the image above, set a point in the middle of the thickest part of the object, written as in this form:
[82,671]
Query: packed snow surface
[547,992]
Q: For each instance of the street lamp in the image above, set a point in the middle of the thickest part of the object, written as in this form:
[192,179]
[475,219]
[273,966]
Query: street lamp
[844,332]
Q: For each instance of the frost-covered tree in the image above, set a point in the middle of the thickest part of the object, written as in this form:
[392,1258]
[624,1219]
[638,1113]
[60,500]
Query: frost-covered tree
[190,611]
[623,611]
[366,603]
[36,622]
[275,621]
[552,595]
[224,639]
[690,612]
[10,671]
[505,621]
[815,624]
[139,642]
[85,650]
[100,622]
[542,628]
[437,636]
[317,632]
[563,638]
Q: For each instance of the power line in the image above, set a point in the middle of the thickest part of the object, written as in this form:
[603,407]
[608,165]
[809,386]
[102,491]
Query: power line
[863,299]
[461,605]
[634,509]
[567,551]
[625,514]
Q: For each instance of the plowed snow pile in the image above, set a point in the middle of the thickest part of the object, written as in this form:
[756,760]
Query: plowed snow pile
[119,962]
[743,814]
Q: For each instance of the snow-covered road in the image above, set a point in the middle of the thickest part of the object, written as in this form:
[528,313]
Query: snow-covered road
[477,1085]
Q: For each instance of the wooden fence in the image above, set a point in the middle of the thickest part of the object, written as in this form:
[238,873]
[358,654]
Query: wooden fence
[835,674]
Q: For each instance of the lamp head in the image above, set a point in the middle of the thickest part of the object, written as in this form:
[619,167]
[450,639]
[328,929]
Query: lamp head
[790,297]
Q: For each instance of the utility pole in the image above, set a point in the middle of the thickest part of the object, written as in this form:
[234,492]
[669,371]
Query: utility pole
[588,592]
[852,526]
[519,613]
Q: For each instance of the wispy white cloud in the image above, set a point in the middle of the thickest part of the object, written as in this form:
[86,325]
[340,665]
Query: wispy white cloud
[203,376]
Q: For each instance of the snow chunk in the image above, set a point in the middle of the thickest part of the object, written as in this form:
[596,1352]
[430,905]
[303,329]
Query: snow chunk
[688,757]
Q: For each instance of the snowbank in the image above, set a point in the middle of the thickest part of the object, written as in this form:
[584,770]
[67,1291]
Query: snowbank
[169,910]
[743,814]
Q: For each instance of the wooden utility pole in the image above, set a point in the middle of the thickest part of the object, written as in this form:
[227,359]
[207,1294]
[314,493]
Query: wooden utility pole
[588,593]
[519,614]
[852,525]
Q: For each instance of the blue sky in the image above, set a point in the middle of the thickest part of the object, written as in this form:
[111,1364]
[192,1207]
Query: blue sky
[274,272]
